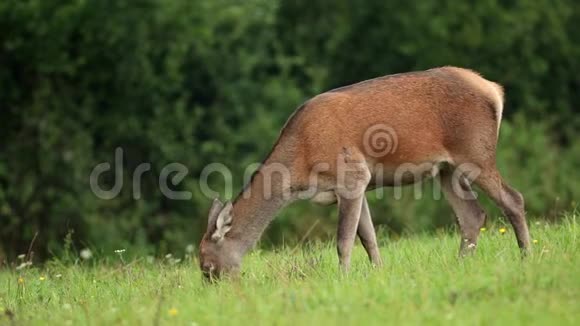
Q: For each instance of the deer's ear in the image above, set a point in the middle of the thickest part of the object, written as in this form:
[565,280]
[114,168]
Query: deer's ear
[223,222]
[216,207]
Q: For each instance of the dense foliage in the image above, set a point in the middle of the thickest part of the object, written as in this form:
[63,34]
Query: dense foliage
[197,82]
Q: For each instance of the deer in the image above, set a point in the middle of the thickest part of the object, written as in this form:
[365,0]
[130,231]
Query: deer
[442,122]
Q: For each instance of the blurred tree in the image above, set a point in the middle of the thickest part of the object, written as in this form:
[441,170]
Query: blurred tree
[529,46]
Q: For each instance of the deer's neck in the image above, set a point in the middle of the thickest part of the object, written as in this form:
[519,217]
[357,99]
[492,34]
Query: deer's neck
[257,205]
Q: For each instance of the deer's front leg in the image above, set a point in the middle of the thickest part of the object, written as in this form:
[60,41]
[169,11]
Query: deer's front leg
[349,210]
[367,235]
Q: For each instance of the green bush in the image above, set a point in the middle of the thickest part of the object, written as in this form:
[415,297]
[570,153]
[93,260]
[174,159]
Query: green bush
[167,81]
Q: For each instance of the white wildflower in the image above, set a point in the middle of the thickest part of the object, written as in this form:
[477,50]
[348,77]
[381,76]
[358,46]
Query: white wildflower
[23,265]
[86,254]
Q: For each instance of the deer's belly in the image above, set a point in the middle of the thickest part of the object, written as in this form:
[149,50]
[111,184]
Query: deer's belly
[404,174]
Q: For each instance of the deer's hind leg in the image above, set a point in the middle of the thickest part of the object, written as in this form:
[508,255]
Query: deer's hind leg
[470,216]
[479,161]
[509,200]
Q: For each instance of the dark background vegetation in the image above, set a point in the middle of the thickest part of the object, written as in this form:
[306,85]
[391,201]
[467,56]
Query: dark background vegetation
[197,82]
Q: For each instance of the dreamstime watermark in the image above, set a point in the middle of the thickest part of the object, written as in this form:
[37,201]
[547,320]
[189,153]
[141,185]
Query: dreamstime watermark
[380,140]
[348,175]
[173,172]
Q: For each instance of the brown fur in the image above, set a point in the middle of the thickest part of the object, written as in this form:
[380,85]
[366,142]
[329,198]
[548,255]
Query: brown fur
[442,118]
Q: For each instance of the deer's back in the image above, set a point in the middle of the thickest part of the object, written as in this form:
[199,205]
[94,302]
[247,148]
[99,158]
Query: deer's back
[428,114]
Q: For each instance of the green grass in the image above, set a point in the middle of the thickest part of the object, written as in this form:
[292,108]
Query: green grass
[422,282]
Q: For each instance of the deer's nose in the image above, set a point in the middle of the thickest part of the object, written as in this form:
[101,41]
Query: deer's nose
[208,270]
[207,267]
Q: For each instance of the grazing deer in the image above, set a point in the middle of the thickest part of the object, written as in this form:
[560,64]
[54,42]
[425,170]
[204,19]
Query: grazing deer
[441,122]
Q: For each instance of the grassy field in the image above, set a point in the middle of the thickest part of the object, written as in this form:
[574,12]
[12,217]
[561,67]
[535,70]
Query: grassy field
[422,282]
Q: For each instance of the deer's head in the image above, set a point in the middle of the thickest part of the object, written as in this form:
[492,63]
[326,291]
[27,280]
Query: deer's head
[219,254]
